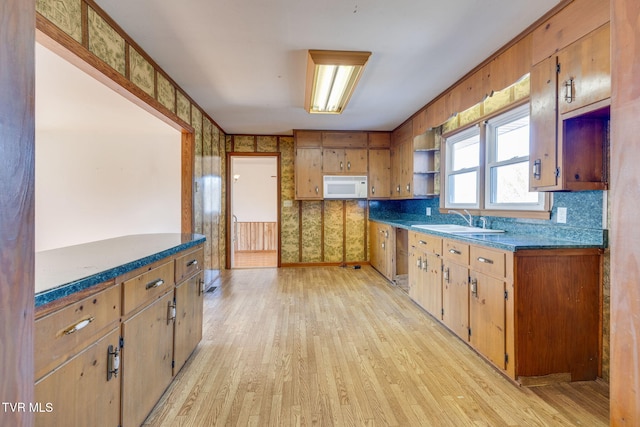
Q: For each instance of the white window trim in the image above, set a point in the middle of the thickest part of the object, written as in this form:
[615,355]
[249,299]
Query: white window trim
[461,136]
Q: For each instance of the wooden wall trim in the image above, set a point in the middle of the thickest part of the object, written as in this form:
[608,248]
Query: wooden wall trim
[624,232]
[17,205]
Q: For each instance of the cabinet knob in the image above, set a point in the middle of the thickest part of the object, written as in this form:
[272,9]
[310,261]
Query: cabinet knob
[373,189]
[341,166]
[348,165]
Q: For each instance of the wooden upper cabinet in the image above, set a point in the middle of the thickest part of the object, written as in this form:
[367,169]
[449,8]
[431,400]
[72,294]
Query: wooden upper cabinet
[308,173]
[419,123]
[308,138]
[344,139]
[543,125]
[349,161]
[379,174]
[570,95]
[379,139]
[402,134]
[585,71]
[512,64]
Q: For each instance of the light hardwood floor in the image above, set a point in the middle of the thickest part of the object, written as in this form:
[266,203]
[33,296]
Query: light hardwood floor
[338,346]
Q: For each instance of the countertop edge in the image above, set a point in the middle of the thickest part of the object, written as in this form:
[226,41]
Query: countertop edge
[66,289]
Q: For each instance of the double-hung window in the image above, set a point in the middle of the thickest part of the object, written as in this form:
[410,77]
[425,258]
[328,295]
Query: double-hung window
[487,166]
[507,169]
[463,169]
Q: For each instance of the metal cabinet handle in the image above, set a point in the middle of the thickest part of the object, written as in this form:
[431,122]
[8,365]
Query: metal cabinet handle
[80,325]
[348,165]
[398,189]
[474,287]
[341,166]
[425,264]
[419,263]
[113,362]
[373,189]
[317,190]
[408,188]
[422,242]
[200,286]
[172,312]
[446,275]
[455,252]
[382,245]
[485,260]
[192,262]
[386,233]
[536,168]
[154,284]
[569,91]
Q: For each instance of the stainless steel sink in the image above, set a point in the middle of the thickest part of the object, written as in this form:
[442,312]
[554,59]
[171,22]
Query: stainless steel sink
[457,229]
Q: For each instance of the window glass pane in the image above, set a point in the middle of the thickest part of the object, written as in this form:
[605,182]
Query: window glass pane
[511,184]
[463,188]
[512,139]
[466,153]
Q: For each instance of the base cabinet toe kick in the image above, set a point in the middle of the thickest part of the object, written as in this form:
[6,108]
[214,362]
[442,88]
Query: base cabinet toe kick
[104,357]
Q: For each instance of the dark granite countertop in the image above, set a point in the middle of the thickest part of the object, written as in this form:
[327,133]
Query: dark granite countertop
[509,241]
[64,271]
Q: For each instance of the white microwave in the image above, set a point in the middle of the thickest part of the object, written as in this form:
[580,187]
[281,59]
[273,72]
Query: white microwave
[345,187]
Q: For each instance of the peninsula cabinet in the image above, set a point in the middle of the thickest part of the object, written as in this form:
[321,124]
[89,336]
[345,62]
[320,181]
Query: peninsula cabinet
[76,347]
[382,249]
[570,95]
[308,173]
[147,332]
[189,299]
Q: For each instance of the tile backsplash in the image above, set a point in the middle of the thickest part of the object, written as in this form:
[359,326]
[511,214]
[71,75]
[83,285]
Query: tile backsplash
[585,216]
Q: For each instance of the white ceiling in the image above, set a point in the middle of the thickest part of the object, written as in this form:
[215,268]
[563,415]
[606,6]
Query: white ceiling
[244,61]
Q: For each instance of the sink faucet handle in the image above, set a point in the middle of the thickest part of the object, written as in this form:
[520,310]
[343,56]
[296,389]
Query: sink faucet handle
[484,222]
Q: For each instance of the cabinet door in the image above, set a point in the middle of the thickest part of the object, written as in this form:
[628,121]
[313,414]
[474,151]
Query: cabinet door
[78,392]
[585,71]
[407,170]
[487,317]
[432,284]
[543,126]
[146,359]
[308,173]
[355,161]
[396,172]
[374,250]
[416,281]
[379,174]
[455,298]
[188,324]
[333,161]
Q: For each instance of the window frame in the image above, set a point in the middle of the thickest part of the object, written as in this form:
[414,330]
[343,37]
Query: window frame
[456,138]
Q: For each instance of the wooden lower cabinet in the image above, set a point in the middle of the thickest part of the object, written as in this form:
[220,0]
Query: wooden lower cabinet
[188,325]
[534,314]
[146,359]
[382,248]
[78,393]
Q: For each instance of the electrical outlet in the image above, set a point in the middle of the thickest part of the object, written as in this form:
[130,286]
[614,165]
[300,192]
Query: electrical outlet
[428,211]
[562,216]
[287,203]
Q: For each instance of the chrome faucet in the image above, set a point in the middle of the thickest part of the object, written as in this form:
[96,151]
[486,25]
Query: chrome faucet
[467,220]
[483,220]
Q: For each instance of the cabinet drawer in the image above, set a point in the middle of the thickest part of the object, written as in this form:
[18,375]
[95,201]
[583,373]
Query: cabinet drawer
[189,264]
[488,261]
[455,251]
[63,333]
[425,242]
[147,286]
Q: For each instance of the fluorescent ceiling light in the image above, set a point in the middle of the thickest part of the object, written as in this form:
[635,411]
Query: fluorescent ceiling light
[331,78]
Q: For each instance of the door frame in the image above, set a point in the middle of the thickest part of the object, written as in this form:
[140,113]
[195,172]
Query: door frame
[228,216]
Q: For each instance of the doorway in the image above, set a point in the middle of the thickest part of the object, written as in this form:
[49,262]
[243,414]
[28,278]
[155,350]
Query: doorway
[254,220]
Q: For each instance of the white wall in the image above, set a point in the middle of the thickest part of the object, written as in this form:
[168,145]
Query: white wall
[255,193]
[104,166]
